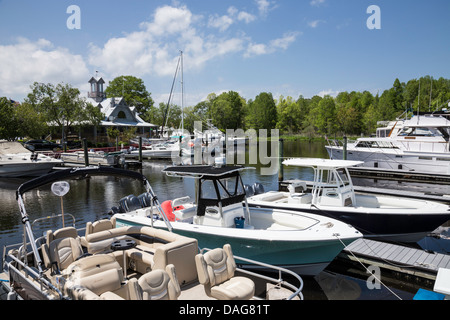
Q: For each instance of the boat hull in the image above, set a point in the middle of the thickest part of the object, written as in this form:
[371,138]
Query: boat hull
[299,254]
[401,226]
[28,169]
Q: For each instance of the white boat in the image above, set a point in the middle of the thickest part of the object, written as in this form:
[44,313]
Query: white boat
[375,215]
[94,157]
[17,161]
[109,262]
[418,144]
[303,242]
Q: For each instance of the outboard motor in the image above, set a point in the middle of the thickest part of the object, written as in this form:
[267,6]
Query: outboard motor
[249,191]
[258,188]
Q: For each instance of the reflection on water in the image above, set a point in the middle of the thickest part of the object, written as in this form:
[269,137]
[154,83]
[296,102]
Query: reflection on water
[92,199]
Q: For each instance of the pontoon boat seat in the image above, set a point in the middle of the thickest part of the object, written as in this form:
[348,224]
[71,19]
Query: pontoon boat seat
[216,270]
[97,226]
[100,277]
[160,284]
[67,232]
[61,253]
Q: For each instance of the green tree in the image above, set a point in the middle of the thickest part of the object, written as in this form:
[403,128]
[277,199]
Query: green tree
[30,122]
[262,112]
[326,116]
[61,105]
[134,92]
[227,111]
[8,122]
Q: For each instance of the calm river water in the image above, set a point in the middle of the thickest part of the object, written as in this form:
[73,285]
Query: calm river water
[91,199]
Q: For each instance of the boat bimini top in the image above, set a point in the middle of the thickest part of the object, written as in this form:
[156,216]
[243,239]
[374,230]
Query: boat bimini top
[332,182]
[321,163]
[73,173]
[216,186]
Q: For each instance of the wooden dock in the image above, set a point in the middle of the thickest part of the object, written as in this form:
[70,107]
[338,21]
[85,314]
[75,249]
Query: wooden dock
[398,258]
[399,175]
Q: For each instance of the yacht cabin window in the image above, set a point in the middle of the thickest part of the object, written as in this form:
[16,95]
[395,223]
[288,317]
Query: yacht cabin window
[420,132]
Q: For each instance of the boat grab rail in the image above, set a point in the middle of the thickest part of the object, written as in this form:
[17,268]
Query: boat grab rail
[279,281]
[54,217]
[39,277]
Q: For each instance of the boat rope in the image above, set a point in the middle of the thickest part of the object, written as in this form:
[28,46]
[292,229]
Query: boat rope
[368,271]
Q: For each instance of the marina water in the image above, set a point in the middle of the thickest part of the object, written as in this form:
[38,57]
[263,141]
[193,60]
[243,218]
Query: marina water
[91,199]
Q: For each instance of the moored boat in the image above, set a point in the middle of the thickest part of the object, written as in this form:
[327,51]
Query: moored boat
[299,241]
[17,161]
[109,262]
[376,216]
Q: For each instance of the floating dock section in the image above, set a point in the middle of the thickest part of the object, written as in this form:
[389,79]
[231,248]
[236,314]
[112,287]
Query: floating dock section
[396,258]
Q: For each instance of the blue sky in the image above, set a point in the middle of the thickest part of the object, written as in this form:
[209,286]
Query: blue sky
[286,47]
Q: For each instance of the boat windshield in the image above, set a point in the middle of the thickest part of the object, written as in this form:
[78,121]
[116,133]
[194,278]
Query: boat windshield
[226,188]
[219,192]
[420,132]
[338,177]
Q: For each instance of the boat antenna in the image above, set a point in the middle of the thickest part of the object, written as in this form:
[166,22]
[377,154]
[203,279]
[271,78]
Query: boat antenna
[182,94]
[418,104]
[431,90]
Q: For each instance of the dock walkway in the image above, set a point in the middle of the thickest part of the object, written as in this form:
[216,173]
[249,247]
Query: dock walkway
[399,258]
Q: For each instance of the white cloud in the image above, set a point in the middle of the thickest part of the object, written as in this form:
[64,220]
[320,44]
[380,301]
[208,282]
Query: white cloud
[317,3]
[315,23]
[224,22]
[39,61]
[256,49]
[245,16]
[154,49]
[328,92]
[264,6]
[285,41]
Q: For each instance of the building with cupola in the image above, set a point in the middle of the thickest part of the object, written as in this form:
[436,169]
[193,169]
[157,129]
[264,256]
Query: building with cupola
[117,113]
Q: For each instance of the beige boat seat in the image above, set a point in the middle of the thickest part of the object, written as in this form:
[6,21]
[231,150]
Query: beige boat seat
[61,253]
[67,232]
[160,284]
[97,226]
[216,271]
[99,277]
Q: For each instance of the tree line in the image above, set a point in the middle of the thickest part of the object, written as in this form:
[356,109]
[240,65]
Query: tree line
[47,107]
[349,113]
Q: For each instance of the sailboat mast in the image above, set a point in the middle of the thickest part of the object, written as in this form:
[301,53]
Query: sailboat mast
[182,92]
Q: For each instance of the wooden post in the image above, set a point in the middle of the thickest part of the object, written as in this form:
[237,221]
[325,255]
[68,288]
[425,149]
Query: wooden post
[140,150]
[280,160]
[86,154]
[345,149]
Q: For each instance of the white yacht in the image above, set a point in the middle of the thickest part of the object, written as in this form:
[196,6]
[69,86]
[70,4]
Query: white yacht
[419,144]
